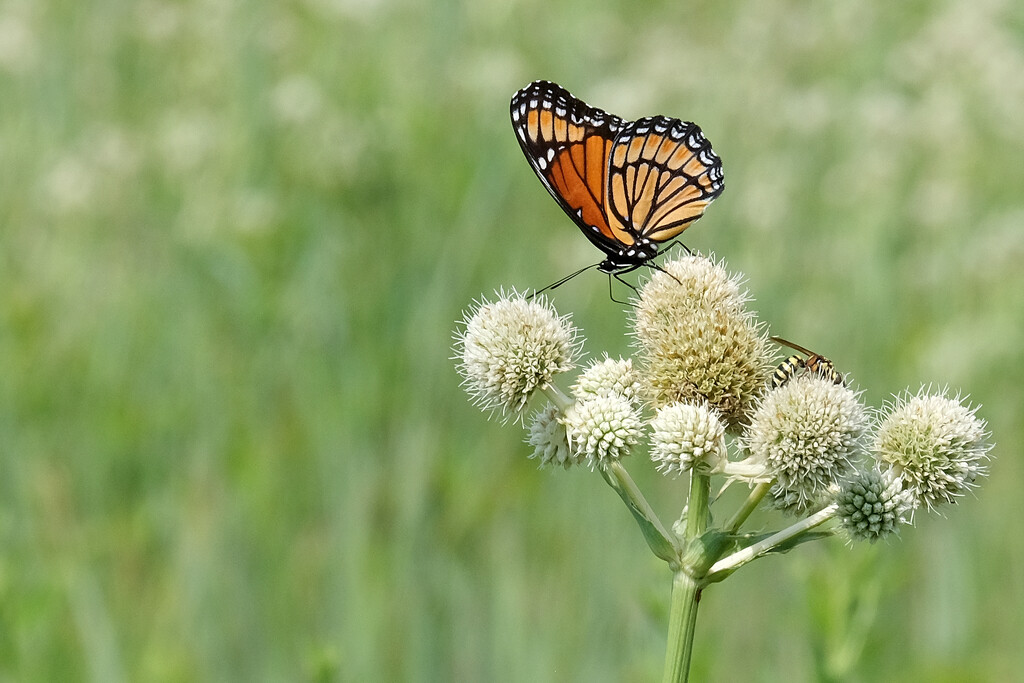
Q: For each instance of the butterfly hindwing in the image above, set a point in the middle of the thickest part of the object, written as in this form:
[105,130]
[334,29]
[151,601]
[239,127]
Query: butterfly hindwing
[568,144]
[662,175]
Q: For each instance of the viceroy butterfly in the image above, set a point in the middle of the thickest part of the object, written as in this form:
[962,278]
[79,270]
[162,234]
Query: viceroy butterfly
[628,185]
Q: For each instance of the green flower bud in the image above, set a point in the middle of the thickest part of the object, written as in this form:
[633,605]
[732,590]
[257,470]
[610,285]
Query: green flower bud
[872,505]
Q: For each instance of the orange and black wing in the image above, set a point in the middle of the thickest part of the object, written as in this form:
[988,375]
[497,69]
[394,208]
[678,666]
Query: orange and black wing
[662,175]
[568,142]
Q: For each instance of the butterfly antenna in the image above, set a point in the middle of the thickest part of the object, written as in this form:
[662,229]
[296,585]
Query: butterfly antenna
[565,279]
[795,347]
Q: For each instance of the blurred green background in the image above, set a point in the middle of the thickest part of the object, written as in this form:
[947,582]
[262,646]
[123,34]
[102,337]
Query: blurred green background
[234,240]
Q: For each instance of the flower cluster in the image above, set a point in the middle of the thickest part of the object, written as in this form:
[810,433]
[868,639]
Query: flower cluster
[610,376]
[935,444]
[703,373]
[698,342]
[685,436]
[602,428]
[549,439]
[510,348]
[808,433]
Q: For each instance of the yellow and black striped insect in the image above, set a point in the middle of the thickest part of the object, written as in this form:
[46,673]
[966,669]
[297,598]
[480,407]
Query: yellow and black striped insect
[810,361]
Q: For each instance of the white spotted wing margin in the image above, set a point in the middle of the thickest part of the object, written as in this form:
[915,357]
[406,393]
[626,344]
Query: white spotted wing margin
[567,142]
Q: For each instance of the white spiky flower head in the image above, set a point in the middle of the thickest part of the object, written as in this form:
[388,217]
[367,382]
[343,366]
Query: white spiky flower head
[698,341]
[807,433]
[685,436]
[608,376]
[509,348]
[937,445]
[549,439]
[602,428]
[872,505]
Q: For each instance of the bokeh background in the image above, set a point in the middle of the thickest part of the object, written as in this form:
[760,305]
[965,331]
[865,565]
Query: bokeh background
[235,236]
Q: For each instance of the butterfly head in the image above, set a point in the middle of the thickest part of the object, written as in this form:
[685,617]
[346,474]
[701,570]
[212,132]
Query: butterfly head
[631,257]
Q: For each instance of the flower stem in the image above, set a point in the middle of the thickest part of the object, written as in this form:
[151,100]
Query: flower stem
[686,589]
[662,543]
[557,396]
[741,557]
[697,505]
[681,623]
[757,494]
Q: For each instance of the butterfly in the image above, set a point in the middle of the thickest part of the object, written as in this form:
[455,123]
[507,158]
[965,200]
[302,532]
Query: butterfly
[812,362]
[628,185]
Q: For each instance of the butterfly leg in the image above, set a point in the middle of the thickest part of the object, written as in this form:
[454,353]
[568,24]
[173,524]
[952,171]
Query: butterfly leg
[655,266]
[611,295]
[675,244]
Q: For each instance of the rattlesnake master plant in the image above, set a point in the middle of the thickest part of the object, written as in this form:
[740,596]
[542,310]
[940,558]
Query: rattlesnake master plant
[511,347]
[699,400]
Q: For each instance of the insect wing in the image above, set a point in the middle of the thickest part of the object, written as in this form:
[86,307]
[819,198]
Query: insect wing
[567,142]
[662,175]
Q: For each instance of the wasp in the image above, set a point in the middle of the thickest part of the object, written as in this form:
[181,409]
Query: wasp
[810,361]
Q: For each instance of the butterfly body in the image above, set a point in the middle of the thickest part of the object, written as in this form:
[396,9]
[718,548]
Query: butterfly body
[628,185]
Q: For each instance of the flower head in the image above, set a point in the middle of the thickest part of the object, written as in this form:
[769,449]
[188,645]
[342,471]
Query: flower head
[686,435]
[602,428]
[510,348]
[607,377]
[549,440]
[698,341]
[806,432]
[935,444]
[872,505]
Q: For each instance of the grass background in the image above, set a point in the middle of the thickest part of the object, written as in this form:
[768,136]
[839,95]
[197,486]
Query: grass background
[234,239]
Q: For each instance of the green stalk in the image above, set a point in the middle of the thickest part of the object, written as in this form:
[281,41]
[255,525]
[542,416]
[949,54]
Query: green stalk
[662,543]
[697,505]
[682,619]
[757,494]
[557,396]
[741,557]
[685,588]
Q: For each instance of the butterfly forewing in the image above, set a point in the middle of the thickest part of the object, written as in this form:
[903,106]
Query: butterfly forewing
[568,144]
[662,175]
